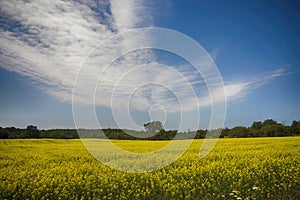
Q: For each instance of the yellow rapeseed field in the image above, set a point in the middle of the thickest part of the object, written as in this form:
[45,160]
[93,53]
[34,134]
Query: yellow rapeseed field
[260,168]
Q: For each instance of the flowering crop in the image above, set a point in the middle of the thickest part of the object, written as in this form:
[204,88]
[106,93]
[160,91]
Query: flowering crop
[260,168]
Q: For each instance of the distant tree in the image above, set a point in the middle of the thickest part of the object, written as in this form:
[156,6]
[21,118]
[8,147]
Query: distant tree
[255,129]
[224,132]
[268,128]
[31,132]
[295,128]
[257,125]
[154,126]
[13,132]
[274,130]
[3,133]
[214,133]
[269,122]
[239,132]
[200,134]
[164,135]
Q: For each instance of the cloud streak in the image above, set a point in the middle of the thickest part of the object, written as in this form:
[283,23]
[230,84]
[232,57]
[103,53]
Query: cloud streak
[48,41]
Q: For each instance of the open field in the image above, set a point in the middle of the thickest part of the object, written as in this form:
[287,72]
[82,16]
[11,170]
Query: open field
[260,168]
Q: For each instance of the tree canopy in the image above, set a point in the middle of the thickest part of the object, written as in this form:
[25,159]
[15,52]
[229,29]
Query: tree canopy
[267,128]
[154,126]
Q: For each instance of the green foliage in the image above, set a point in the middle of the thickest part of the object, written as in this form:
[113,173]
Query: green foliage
[154,126]
[201,134]
[256,125]
[31,132]
[269,122]
[155,131]
[295,128]
[239,132]
[274,130]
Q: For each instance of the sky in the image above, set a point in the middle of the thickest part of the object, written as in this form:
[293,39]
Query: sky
[53,57]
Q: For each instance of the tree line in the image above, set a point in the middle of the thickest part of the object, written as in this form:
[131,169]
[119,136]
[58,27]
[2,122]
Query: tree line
[155,131]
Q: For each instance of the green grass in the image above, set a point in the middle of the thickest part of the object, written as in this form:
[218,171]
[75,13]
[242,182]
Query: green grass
[260,168]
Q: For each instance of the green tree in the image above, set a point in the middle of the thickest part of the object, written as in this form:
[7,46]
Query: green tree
[295,128]
[239,132]
[269,122]
[257,125]
[200,134]
[154,126]
[31,132]
[255,129]
[13,132]
[3,133]
[275,130]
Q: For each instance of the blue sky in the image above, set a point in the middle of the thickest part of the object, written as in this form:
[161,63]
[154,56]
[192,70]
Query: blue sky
[255,45]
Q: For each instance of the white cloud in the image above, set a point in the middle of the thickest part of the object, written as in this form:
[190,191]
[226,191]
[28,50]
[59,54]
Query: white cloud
[48,41]
[238,90]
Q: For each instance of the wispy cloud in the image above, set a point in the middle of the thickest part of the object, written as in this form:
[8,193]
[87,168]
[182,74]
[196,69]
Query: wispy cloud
[215,53]
[48,41]
[238,90]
